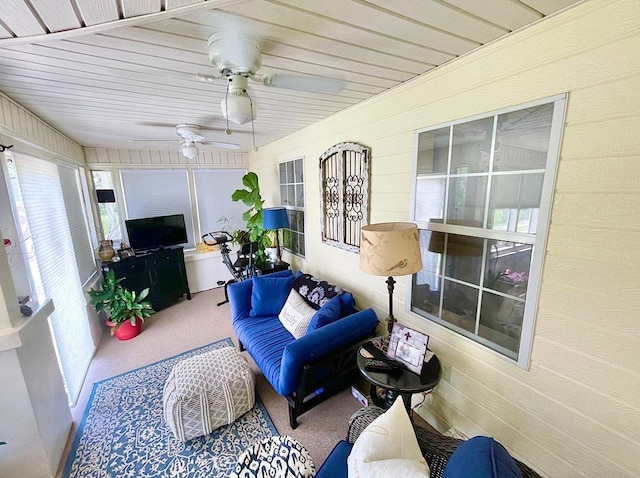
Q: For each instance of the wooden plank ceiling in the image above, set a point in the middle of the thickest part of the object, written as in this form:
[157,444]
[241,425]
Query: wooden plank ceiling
[106,72]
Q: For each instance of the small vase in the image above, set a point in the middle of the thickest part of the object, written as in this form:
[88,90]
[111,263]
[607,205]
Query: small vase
[106,251]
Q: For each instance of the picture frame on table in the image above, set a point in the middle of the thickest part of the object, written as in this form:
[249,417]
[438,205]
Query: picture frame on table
[408,347]
[126,252]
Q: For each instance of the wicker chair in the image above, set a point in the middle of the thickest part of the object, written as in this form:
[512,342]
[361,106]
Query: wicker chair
[436,448]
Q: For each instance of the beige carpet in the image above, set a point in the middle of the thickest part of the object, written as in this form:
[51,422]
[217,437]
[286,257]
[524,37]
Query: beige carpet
[190,324]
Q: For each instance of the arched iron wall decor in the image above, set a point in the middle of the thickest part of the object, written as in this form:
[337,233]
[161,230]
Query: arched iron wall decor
[344,183]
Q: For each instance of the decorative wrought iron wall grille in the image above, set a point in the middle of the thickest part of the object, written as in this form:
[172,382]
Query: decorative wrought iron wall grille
[344,179]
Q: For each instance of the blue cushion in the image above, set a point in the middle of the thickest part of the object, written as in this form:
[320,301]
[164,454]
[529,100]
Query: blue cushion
[335,466]
[265,338]
[329,312]
[481,457]
[269,294]
[347,304]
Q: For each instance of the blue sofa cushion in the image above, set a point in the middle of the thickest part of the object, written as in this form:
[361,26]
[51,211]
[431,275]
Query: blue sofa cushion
[269,294]
[335,466]
[329,312]
[481,457]
[315,292]
[265,338]
[338,307]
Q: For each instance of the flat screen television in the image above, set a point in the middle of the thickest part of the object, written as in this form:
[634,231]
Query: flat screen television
[149,233]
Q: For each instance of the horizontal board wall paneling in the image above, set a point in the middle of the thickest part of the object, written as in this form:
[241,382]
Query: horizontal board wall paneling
[619,315]
[590,372]
[598,175]
[390,182]
[597,274]
[609,98]
[586,139]
[497,419]
[470,416]
[57,15]
[540,414]
[26,126]
[580,241]
[613,348]
[600,210]
[553,74]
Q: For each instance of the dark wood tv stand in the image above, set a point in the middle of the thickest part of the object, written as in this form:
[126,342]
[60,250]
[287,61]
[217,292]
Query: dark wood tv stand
[162,271]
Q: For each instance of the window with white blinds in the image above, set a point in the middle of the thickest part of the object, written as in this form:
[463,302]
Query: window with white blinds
[53,227]
[158,192]
[216,210]
[76,214]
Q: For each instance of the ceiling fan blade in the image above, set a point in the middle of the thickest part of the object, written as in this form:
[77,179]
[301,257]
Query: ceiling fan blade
[221,145]
[304,83]
[156,141]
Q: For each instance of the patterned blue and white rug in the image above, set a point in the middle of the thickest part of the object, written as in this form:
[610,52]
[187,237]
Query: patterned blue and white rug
[123,433]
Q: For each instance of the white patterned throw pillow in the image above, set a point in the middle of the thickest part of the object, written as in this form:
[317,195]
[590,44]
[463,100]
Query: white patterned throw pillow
[388,448]
[296,314]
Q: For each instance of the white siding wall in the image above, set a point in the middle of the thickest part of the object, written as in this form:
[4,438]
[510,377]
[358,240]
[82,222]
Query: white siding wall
[97,157]
[22,125]
[576,411]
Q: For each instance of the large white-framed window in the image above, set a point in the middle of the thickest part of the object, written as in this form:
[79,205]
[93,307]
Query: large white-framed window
[50,218]
[159,192]
[291,174]
[216,210]
[203,195]
[482,198]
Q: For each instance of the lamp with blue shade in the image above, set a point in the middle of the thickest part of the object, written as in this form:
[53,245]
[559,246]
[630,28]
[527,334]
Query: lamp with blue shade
[275,218]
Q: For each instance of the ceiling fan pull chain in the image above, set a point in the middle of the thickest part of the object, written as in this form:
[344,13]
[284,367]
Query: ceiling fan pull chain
[253,131]
[227,131]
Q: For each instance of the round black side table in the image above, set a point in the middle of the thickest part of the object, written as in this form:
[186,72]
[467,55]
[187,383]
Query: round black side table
[403,382]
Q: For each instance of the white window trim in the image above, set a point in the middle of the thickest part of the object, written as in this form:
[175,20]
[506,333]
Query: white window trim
[539,240]
[296,208]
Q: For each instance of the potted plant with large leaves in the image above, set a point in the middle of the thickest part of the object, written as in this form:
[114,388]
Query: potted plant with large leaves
[250,196]
[127,310]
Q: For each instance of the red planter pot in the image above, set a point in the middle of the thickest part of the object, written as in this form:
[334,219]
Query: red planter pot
[126,331]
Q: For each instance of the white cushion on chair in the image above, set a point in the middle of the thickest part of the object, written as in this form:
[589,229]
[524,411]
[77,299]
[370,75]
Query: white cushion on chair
[388,447]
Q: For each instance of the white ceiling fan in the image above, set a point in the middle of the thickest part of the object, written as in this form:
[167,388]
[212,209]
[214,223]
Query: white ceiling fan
[238,57]
[190,134]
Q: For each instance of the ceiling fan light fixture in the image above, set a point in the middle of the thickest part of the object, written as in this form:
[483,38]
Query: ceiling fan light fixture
[189,151]
[238,108]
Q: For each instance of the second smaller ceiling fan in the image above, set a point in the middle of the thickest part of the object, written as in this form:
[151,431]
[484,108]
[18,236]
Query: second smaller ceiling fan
[190,134]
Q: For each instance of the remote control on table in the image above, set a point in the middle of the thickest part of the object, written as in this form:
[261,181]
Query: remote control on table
[373,365]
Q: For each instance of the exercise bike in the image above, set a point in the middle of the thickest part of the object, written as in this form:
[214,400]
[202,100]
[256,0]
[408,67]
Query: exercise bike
[242,268]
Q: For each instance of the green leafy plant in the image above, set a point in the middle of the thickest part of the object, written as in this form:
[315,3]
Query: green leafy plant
[120,303]
[250,196]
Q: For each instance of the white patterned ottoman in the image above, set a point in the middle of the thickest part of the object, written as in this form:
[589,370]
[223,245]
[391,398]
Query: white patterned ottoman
[207,391]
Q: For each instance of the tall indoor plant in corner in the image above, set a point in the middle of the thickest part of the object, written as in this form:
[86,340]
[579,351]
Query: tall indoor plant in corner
[127,309]
[251,197]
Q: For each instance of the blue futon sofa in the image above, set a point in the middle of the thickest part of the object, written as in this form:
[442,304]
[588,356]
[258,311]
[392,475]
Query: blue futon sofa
[311,368]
